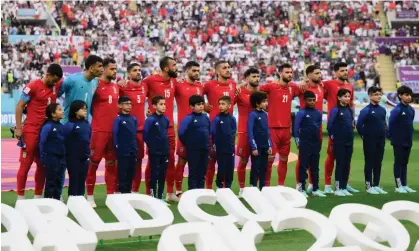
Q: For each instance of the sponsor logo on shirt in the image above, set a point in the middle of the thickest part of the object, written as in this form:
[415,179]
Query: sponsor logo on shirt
[77,127]
[195,121]
[221,122]
[54,130]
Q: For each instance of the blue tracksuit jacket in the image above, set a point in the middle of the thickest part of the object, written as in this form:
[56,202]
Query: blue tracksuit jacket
[258,131]
[155,134]
[124,134]
[307,127]
[51,139]
[223,132]
[340,126]
[372,122]
[78,134]
[401,125]
[194,131]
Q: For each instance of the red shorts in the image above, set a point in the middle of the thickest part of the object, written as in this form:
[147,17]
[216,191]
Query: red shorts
[140,144]
[281,140]
[101,146]
[180,149]
[243,148]
[31,152]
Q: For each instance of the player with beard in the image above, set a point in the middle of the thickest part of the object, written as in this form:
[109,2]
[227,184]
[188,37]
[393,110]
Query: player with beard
[244,107]
[280,95]
[35,96]
[104,111]
[215,89]
[183,91]
[331,88]
[136,92]
[314,84]
[163,84]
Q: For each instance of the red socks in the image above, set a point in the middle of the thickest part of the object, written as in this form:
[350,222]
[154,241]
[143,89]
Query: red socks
[179,176]
[282,172]
[241,174]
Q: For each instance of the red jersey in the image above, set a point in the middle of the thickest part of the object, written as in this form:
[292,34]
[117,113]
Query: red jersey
[215,90]
[318,91]
[104,106]
[280,99]
[183,91]
[37,96]
[244,107]
[137,92]
[157,85]
[331,88]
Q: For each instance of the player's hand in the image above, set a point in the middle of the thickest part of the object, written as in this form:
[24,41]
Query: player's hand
[256,153]
[18,133]
[148,113]
[123,83]
[208,108]
[304,84]
[270,150]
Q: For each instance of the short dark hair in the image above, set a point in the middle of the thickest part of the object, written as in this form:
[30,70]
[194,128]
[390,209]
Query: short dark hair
[108,61]
[225,98]
[283,66]
[196,99]
[55,70]
[250,71]
[374,89]
[218,63]
[156,99]
[75,106]
[311,69]
[165,62]
[404,90]
[309,94]
[257,97]
[92,60]
[132,65]
[337,66]
[123,99]
[191,64]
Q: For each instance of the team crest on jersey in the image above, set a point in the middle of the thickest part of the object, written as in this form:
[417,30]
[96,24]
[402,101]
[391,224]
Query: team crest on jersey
[92,152]
[114,90]
[197,91]
[53,90]
[26,90]
[142,89]
[171,83]
[240,150]
[24,154]
[231,87]
[181,150]
[290,89]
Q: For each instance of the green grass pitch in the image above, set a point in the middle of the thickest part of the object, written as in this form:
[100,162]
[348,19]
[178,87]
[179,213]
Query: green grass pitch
[290,240]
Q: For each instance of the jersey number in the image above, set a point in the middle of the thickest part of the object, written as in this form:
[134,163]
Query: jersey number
[110,99]
[284,98]
[226,94]
[138,99]
[167,93]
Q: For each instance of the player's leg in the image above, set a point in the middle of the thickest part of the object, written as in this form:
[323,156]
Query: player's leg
[83,169]
[180,167]
[314,167]
[254,171]
[369,160]
[284,151]
[59,182]
[304,158]
[193,158]
[39,176]
[52,168]
[26,158]
[337,151]
[263,166]
[209,177]
[380,146]
[202,167]
[97,150]
[406,155]
[138,166]
[328,166]
[275,139]
[147,177]
[243,151]
[221,171]
[170,173]
[229,171]
[111,169]
[73,175]
[161,176]
[154,171]
[347,163]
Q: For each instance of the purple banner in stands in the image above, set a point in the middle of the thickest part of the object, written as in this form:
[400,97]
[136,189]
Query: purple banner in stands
[391,40]
[407,14]
[409,76]
[67,70]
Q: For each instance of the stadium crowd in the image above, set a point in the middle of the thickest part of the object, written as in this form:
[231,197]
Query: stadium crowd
[261,34]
